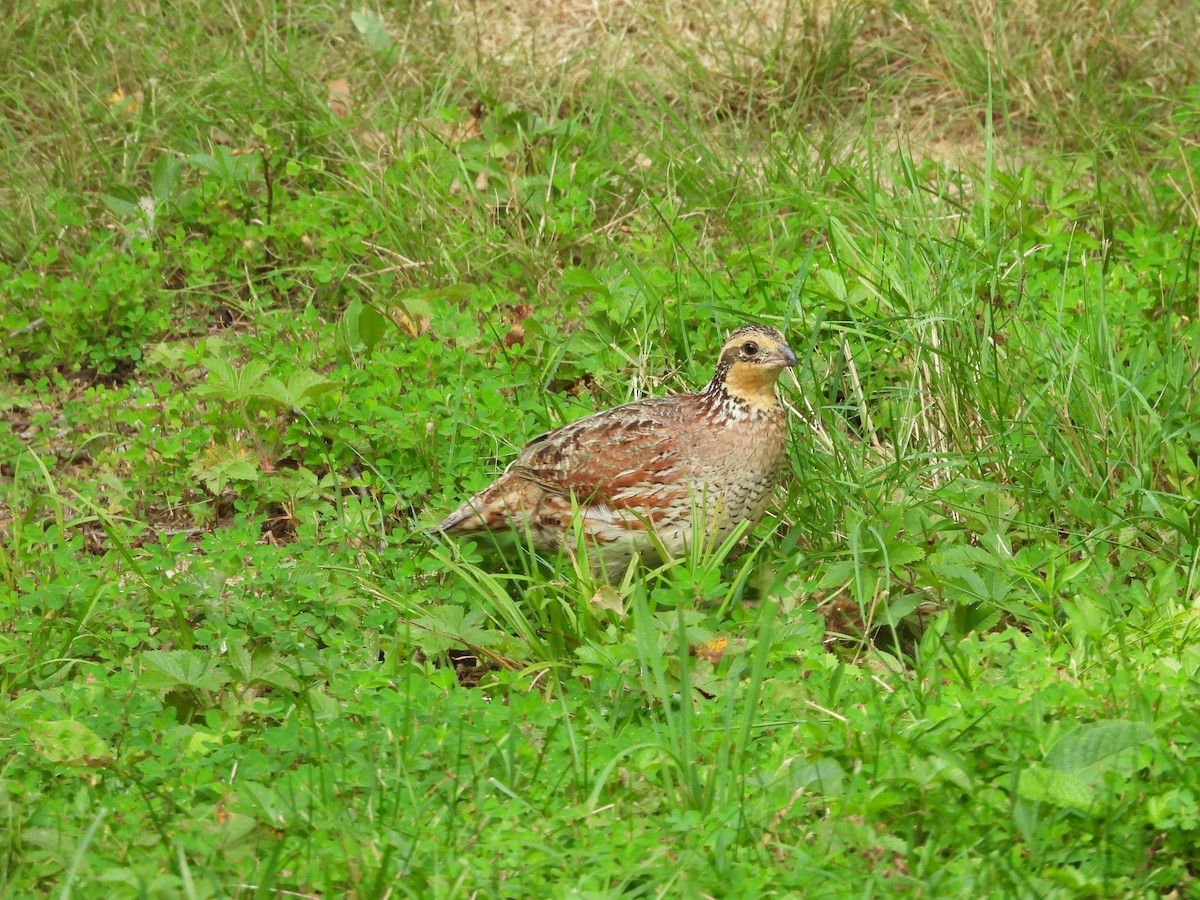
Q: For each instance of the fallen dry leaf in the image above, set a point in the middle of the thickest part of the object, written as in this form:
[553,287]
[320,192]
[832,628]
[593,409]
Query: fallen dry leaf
[609,598]
[711,650]
[516,335]
[121,102]
[412,324]
[338,97]
[843,618]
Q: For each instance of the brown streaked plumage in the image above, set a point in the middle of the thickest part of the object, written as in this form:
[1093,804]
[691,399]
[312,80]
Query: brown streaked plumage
[637,472]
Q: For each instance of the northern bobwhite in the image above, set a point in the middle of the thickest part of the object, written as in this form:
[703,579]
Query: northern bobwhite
[637,473]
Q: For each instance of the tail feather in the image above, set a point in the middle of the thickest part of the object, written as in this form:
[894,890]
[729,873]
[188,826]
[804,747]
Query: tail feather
[460,520]
[499,506]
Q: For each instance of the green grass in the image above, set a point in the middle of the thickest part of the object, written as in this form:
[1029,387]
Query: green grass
[280,286]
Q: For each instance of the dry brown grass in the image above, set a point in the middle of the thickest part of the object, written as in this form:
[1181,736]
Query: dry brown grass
[726,56]
[1055,72]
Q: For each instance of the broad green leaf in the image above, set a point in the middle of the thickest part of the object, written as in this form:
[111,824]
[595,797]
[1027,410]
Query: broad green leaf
[899,608]
[970,617]
[375,33]
[1075,569]
[963,555]
[361,326]
[821,776]
[576,281]
[202,743]
[1045,785]
[1086,614]
[164,178]
[372,326]
[324,708]
[122,207]
[838,574]
[69,742]
[1099,747]
[263,803]
[455,292]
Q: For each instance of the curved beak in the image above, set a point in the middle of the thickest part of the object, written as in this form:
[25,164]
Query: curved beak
[784,358]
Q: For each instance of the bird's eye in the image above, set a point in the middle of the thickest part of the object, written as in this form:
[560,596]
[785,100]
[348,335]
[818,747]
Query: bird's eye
[749,348]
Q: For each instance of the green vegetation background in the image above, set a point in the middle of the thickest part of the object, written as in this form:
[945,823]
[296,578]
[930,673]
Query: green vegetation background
[280,283]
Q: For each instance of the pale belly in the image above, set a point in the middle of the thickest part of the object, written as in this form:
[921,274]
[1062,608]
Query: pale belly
[619,534]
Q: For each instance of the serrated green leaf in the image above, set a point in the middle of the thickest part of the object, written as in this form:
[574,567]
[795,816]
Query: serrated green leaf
[302,385]
[904,554]
[220,465]
[262,666]
[206,163]
[220,372]
[452,626]
[966,580]
[228,383]
[252,373]
[167,670]
[227,166]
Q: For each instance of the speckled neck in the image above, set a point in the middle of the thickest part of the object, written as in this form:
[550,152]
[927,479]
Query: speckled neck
[752,385]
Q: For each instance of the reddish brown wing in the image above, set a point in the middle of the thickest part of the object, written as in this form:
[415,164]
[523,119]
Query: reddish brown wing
[620,455]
